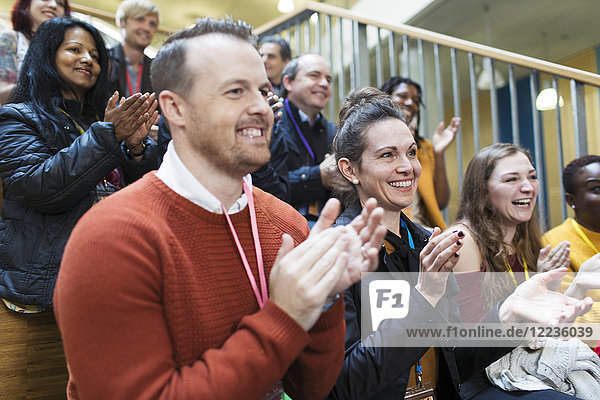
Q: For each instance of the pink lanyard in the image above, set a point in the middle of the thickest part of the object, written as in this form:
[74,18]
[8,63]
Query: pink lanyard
[262,296]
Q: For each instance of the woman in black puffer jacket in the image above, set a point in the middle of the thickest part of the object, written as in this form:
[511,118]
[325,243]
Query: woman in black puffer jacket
[60,151]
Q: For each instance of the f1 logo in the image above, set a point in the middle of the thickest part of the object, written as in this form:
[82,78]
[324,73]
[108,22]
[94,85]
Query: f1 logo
[388,299]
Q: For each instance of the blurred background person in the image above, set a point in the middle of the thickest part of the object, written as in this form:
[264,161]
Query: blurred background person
[61,151]
[275,54]
[301,140]
[581,181]
[26,16]
[129,66]
[433,193]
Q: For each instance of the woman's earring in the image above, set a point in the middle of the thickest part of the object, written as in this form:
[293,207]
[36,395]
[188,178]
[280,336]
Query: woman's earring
[573,206]
[355,181]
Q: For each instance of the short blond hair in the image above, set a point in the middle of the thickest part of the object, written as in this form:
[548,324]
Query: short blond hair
[135,9]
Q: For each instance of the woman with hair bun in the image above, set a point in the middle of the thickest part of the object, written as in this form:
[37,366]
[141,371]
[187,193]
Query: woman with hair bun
[433,194]
[377,155]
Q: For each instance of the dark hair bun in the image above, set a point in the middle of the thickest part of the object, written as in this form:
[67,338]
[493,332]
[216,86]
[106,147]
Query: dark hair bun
[357,99]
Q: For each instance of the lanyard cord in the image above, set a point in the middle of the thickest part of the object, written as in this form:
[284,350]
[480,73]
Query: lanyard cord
[262,296]
[139,79]
[289,111]
[509,269]
[411,243]
[583,235]
[79,128]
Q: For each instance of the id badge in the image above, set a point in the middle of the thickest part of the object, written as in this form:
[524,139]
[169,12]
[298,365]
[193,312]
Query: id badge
[275,393]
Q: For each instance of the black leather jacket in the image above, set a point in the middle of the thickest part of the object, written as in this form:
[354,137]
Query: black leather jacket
[46,192]
[381,372]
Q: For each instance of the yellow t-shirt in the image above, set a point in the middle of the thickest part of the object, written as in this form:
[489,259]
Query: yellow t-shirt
[580,251]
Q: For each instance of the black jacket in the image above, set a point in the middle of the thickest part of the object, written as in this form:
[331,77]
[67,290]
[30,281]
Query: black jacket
[117,80]
[46,192]
[289,156]
[381,372]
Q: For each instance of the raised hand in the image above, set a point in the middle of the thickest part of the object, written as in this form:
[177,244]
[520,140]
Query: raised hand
[276,105]
[438,258]
[533,302]
[129,115]
[329,171]
[588,277]
[443,138]
[150,116]
[553,258]
[303,277]
[364,236]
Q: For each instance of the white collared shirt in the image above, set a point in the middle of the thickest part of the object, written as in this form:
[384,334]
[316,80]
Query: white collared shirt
[178,177]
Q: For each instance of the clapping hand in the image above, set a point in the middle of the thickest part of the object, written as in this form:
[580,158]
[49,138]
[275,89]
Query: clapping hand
[438,258]
[304,278]
[553,258]
[132,116]
[588,277]
[533,302]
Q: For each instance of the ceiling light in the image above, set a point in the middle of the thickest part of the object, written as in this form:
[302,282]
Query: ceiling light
[546,100]
[286,6]
[483,79]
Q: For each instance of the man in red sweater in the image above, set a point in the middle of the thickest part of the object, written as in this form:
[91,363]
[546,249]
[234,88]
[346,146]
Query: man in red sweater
[163,293]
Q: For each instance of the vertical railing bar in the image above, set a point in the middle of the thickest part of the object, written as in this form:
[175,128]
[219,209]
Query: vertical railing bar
[456,100]
[378,62]
[318,34]
[329,34]
[297,39]
[474,103]
[514,111]
[342,77]
[579,128]
[405,67]
[355,54]
[438,82]
[423,118]
[537,148]
[559,145]
[392,51]
[493,100]
[307,35]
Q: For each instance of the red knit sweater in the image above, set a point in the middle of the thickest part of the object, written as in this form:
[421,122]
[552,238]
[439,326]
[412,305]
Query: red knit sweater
[153,302]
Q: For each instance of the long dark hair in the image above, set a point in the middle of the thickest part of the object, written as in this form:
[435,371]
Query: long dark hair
[21,19]
[40,85]
[481,216]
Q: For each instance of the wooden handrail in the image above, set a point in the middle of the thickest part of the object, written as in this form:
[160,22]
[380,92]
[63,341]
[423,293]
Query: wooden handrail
[444,40]
[110,17]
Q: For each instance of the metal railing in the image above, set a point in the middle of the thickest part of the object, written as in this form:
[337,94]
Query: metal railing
[366,52]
